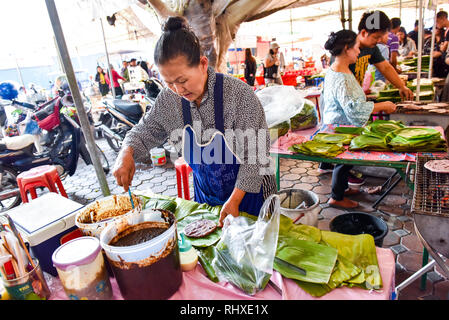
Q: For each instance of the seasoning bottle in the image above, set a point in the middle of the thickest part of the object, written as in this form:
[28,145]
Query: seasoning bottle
[187,254]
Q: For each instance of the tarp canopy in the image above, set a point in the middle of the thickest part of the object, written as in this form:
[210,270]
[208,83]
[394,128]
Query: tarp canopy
[26,29]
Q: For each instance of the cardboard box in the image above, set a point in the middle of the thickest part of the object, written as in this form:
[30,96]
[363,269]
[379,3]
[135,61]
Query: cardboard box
[45,223]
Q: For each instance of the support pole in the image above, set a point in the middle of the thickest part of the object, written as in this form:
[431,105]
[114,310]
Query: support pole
[107,59]
[342,13]
[82,115]
[420,45]
[432,43]
[350,14]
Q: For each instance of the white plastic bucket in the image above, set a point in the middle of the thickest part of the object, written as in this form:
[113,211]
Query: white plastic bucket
[147,270]
[158,156]
[292,198]
[95,229]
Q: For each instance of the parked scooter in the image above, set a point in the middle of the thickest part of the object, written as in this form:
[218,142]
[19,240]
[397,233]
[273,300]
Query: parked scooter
[122,115]
[62,144]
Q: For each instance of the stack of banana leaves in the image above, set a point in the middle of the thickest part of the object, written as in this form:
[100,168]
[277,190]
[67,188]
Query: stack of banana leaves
[327,145]
[317,261]
[413,63]
[427,91]
[390,135]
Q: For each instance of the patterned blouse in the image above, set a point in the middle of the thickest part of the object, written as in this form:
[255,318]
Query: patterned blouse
[344,100]
[242,114]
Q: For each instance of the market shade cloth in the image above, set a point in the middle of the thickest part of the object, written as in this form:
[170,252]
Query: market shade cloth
[197,286]
[282,144]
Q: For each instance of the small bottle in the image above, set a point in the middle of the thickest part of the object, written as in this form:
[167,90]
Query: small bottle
[187,254]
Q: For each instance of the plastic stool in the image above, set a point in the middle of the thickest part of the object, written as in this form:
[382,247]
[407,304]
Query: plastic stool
[182,177]
[42,176]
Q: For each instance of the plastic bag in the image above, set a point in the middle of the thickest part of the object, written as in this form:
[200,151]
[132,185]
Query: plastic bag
[246,250]
[285,108]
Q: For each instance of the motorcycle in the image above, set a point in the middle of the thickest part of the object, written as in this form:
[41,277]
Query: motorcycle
[62,142]
[122,115]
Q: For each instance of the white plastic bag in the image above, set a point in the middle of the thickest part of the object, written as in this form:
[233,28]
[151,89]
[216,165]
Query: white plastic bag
[246,250]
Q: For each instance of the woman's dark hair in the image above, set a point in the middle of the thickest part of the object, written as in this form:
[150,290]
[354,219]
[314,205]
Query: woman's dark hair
[177,39]
[249,55]
[402,29]
[339,41]
[374,21]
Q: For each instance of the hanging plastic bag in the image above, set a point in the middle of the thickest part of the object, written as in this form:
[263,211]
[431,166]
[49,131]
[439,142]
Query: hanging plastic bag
[246,250]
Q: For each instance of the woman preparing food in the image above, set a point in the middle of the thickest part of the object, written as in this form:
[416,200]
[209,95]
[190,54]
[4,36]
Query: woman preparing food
[345,104]
[211,118]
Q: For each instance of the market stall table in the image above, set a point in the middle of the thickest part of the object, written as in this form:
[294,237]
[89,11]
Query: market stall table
[197,286]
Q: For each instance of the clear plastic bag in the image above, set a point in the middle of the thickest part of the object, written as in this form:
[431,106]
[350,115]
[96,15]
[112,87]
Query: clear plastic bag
[246,250]
[286,108]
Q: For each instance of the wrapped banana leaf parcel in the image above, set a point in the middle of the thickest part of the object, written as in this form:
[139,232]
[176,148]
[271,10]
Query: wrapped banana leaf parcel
[318,149]
[380,128]
[340,138]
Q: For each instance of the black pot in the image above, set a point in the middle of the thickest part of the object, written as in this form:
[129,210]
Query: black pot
[354,223]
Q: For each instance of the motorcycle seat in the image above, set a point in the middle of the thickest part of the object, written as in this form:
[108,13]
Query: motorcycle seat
[17,142]
[132,109]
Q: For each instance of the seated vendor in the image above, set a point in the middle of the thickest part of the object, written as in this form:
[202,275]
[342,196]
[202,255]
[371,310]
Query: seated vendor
[345,104]
[194,111]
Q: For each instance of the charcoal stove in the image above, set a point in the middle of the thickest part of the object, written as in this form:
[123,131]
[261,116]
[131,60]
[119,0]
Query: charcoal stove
[430,209]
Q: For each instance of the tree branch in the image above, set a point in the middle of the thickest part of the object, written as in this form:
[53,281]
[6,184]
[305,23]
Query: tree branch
[161,9]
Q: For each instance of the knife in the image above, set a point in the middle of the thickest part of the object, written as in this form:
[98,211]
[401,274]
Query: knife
[291,266]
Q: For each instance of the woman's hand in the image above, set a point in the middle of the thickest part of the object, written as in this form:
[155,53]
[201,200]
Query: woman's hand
[232,205]
[124,168]
[386,106]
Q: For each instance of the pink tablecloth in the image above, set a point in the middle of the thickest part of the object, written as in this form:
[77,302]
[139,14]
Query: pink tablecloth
[196,286]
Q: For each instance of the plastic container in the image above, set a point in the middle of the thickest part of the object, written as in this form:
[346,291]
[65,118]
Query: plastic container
[354,223]
[158,156]
[31,286]
[82,269]
[302,206]
[149,269]
[187,254]
[45,223]
[116,205]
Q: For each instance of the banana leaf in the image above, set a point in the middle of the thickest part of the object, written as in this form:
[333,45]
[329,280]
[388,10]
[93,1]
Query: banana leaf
[392,99]
[341,138]
[367,142]
[389,93]
[205,257]
[380,128]
[360,250]
[317,260]
[349,130]
[207,212]
[157,203]
[314,148]
[305,119]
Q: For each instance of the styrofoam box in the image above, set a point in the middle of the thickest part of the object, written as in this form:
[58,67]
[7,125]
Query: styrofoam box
[42,223]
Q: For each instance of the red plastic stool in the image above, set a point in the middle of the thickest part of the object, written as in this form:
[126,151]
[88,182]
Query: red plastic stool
[42,176]
[182,177]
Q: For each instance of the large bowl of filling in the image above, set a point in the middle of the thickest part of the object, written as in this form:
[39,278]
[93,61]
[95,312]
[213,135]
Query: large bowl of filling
[94,217]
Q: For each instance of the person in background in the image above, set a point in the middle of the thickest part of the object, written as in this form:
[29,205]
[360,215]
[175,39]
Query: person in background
[383,48]
[136,72]
[101,80]
[414,33]
[369,35]
[345,104]
[443,24]
[271,65]
[144,66]
[250,67]
[407,47]
[393,42]
[115,76]
[124,71]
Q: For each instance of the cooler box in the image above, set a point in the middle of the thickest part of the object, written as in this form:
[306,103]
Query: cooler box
[45,223]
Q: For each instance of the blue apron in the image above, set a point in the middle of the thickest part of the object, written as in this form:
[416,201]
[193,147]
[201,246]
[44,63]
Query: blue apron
[215,167]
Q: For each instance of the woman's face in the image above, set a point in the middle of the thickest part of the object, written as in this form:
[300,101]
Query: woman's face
[401,35]
[353,53]
[186,81]
[99,69]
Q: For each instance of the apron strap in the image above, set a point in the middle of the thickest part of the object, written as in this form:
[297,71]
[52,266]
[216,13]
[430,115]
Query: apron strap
[218,105]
